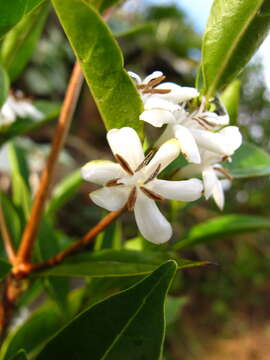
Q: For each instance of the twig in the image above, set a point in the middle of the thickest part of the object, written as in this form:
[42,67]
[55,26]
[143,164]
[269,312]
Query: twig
[6,237]
[78,245]
[68,108]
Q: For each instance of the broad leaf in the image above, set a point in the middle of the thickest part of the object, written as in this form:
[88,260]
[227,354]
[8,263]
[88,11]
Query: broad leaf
[230,97]
[4,269]
[111,263]
[227,225]
[235,30]
[20,42]
[64,191]
[102,5]
[4,85]
[102,63]
[12,12]
[249,161]
[40,326]
[129,325]
[23,125]
[21,355]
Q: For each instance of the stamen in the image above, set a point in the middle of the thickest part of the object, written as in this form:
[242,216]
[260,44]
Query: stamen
[224,172]
[124,164]
[156,91]
[156,81]
[141,86]
[146,160]
[154,174]
[151,194]
[113,182]
[202,122]
[132,199]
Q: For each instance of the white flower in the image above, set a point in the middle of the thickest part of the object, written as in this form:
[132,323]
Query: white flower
[13,108]
[133,182]
[158,96]
[210,169]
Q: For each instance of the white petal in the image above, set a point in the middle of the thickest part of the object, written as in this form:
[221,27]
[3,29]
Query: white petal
[101,171]
[126,143]
[186,190]
[168,152]
[224,142]
[218,195]
[188,144]
[7,112]
[218,120]
[156,102]
[210,179]
[178,93]
[110,198]
[188,171]
[157,118]
[233,136]
[134,76]
[151,223]
[154,75]
[26,109]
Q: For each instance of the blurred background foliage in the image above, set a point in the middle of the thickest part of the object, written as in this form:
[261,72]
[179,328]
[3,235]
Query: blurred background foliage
[223,306]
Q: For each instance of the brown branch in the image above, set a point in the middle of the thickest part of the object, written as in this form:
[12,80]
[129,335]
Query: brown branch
[6,237]
[67,111]
[78,245]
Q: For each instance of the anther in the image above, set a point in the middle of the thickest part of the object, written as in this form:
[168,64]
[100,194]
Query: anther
[124,164]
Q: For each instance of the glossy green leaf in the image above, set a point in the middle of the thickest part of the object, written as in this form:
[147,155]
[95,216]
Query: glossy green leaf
[13,11]
[216,228]
[4,269]
[21,355]
[111,263]
[20,42]
[230,98]
[40,326]
[102,62]
[249,161]
[63,192]
[129,325]
[235,30]
[23,125]
[4,85]
[102,5]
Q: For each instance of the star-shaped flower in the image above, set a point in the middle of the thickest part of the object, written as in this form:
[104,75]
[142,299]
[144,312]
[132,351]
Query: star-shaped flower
[133,182]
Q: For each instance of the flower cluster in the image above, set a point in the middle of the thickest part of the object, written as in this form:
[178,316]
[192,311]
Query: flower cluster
[18,107]
[203,137]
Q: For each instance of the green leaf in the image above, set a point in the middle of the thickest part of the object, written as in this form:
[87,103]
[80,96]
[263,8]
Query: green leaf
[12,12]
[20,42]
[12,219]
[230,97]
[40,326]
[4,269]
[127,325]
[102,62]
[21,193]
[111,263]
[63,192]
[102,5]
[21,355]
[249,161]
[235,30]
[23,125]
[4,85]
[227,225]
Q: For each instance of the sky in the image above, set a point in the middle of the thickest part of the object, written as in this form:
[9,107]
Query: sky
[198,11]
